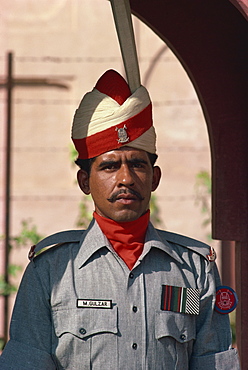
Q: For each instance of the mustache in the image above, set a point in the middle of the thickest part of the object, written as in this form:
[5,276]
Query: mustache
[115,195]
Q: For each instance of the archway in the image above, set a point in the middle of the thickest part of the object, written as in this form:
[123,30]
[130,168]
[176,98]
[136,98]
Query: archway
[210,39]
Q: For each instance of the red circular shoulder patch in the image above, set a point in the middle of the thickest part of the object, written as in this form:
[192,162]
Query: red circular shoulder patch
[226,299]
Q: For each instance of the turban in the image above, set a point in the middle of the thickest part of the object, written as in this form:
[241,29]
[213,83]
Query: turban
[110,116]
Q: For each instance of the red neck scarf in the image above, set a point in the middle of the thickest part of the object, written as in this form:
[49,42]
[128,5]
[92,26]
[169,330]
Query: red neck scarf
[127,238]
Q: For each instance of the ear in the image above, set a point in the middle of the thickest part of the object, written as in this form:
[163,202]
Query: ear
[156,177]
[83,181]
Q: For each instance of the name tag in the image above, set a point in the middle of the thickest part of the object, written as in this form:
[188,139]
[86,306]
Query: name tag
[94,303]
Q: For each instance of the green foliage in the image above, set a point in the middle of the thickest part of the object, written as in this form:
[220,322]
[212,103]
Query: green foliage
[28,235]
[232,317]
[203,191]
[6,288]
[203,196]
[73,153]
[155,212]
[84,216]
[2,343]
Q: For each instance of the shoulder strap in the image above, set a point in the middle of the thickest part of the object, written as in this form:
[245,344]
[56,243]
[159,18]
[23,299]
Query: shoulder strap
[197,246]
[69,236]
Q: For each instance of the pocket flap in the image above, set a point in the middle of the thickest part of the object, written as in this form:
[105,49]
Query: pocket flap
[84,322]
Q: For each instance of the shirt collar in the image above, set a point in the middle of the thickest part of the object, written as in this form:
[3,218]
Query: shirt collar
[153,240]
[93,240]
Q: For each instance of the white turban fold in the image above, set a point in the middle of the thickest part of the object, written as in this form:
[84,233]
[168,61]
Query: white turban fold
[110,116]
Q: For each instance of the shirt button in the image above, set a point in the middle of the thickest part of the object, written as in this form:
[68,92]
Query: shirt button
[131,275]
[82,331]
[134,346]
[135,309]
[182,336]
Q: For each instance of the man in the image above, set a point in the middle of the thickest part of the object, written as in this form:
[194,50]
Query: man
[120,295]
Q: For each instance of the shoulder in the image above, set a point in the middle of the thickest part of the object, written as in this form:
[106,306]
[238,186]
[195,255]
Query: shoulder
[55,240]
[194,245]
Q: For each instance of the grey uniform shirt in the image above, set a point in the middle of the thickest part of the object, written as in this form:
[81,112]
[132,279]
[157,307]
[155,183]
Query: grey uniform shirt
[80,307]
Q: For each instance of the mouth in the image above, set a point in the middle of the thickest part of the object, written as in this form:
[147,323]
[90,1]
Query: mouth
[126,199]
[125,196]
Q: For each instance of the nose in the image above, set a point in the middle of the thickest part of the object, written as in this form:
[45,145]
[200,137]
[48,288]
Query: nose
[125,176]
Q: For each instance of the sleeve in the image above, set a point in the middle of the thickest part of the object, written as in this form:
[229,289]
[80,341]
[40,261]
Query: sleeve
[212,347]
[31,328]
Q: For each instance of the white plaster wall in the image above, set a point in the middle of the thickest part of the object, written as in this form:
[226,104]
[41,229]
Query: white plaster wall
[74,41]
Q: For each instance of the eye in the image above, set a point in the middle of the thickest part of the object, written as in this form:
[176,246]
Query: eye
[109,167]
[137,165]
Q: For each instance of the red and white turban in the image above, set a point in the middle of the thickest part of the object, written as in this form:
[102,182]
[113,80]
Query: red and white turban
[110,116]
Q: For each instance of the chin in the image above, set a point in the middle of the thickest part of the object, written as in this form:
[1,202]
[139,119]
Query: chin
[126,216]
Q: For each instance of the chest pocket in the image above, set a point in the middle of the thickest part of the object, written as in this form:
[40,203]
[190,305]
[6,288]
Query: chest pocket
[179,326]
[84,333]
[175,333]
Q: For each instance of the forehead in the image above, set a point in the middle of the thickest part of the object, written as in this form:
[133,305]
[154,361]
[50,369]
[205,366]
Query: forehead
[124,152]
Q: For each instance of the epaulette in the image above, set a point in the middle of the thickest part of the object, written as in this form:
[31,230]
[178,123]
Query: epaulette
[197,246]
[69,236]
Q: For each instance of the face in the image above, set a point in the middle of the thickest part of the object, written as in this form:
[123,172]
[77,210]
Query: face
[120,183]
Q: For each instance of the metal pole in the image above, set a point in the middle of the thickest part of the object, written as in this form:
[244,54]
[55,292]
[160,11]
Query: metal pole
[9,86]
[124,27]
